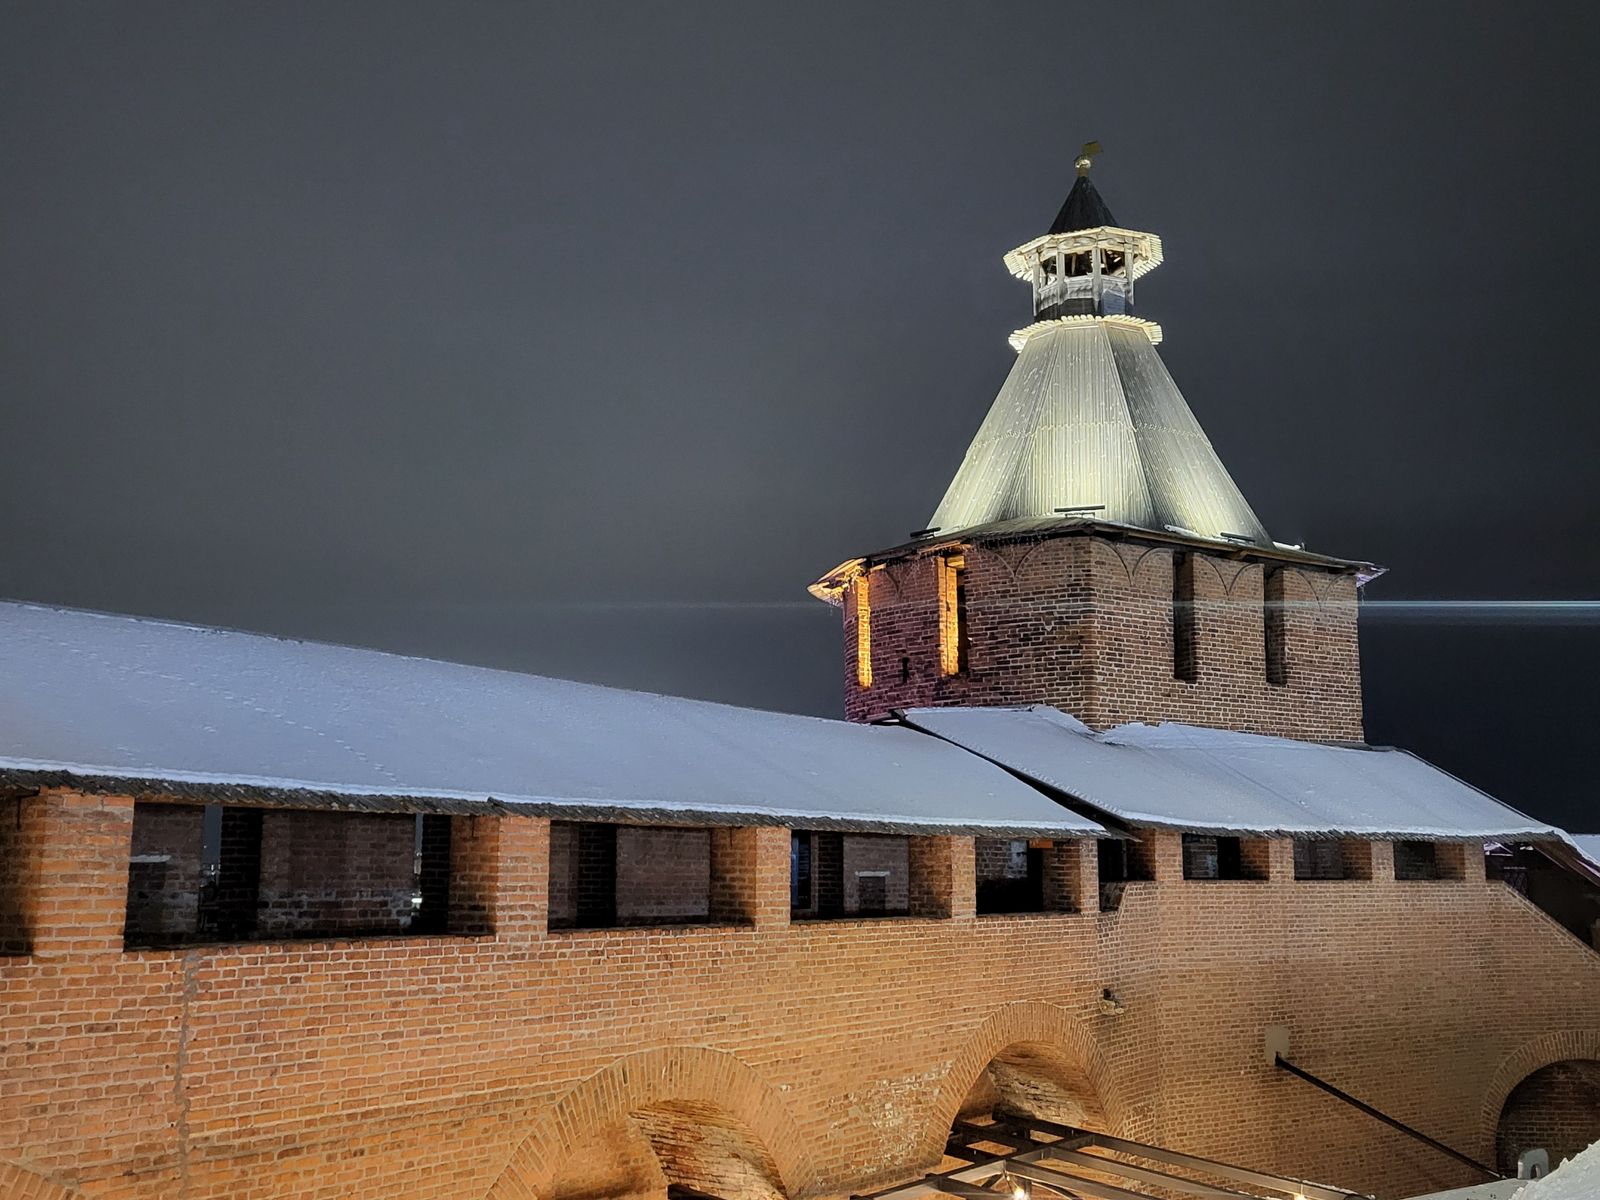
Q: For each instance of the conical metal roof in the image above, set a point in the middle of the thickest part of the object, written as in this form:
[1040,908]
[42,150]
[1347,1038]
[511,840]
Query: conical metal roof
[1084,209]
[1089,419]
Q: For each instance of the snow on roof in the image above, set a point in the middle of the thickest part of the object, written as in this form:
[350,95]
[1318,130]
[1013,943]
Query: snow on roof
[121,698]
[1182,776]
[1575,1178]
[1588,845]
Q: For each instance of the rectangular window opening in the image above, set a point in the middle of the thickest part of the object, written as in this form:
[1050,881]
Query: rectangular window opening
[802,890]
[1417,860]
[606,876]
[1124,861]
[224,874]
[15,936]
[953,631]
[863,595]
[848,876]
[1275,627]
[1010,876]
[1332,859]
[1185,656]
[1223,858]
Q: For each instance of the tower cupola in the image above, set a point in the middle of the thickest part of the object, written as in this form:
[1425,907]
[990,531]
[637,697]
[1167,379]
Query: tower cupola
[1086,265]
[1089,421]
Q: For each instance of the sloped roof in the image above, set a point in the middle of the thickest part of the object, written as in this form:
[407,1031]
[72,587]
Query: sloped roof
[1588,845]
[1090,416]
[1216,781]
[1084,209]
[115,698]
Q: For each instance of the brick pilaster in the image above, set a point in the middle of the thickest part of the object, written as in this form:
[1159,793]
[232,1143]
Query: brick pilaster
[944,877]
[1164,851]
[1072,875]
[1280,859]
[1382,862]
[74,883]
[500,876]
[750,876]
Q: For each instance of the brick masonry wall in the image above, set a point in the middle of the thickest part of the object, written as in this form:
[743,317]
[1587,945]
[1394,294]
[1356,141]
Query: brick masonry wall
[1086,624]
[563,873]
[809,1058]
[663,875]
[325,872]
[873,853]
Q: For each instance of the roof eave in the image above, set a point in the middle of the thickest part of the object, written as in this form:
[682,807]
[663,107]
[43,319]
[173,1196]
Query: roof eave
[15,782]
[831,586]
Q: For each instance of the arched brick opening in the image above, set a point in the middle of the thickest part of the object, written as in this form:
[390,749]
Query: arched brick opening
[703,1148]
[1557,1108]
[1035,1079]
[19,1183]
[684,1116]
[1572,1045]
[1027,1058]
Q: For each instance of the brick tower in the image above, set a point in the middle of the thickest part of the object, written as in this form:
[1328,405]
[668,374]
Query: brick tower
[1092,552]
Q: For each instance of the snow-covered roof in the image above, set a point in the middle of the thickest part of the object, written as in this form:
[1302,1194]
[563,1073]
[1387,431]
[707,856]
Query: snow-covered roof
[1185,777]
[121,699]
[1588,845]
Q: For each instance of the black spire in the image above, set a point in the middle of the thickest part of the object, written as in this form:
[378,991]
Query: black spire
[1083,210]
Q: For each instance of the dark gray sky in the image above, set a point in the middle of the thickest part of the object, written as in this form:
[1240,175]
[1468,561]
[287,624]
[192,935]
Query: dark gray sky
[580,338]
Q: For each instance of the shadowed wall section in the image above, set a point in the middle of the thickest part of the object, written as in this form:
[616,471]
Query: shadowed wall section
[697,1118]
[1539,1090]
[1026,1059]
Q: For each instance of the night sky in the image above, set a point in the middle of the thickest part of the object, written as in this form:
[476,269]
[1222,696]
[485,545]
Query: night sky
[579,339]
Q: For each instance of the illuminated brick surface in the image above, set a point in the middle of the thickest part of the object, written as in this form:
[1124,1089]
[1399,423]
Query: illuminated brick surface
[758,1058]
[1085,624]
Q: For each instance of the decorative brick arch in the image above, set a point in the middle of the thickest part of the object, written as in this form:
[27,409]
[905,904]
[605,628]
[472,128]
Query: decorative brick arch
[1030,1023]
[1140,556]
[19,1183]
[683,1076]
[1522,1062]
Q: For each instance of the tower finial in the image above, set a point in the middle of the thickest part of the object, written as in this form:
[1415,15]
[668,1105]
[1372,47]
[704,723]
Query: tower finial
[1090,149]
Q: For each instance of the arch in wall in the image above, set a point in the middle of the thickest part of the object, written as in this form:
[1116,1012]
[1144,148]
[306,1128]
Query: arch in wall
[1519,1067]
[1556,1108]
[17,1182]
[1033,1058]
[698,1118]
